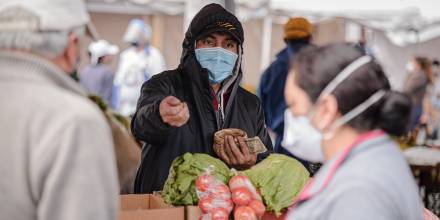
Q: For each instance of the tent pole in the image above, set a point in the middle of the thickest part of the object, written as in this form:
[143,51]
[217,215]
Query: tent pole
[230,6]
[266,42]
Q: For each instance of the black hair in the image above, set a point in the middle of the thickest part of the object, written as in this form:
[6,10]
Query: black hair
[316,67]
[426,67]
[435,62]
[100,59]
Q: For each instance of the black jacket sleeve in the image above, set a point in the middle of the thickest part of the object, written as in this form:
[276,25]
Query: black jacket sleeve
[263,134]
[147,124]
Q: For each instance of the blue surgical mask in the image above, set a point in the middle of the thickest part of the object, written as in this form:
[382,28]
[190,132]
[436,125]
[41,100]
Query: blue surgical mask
[219,62]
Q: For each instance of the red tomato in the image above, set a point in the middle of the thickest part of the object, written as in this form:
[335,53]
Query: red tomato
[241,196]
[228,205]
[256,195]
[258,207]
[244,213]
[206,204]
[238,181]
[241,180]
[220,191]
[219,214]
[204,181]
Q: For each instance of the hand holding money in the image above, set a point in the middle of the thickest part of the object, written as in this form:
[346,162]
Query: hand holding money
[219,137]
[235,153]
[254,144]
[233,147]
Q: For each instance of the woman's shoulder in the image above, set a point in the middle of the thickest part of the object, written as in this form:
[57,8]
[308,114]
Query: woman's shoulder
[382,169]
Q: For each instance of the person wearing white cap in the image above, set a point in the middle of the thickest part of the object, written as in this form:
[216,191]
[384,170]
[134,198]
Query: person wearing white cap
[97,77]
[57,157]
[137,64]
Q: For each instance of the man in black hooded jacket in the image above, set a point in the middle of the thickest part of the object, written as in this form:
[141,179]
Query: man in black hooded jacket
[180,110]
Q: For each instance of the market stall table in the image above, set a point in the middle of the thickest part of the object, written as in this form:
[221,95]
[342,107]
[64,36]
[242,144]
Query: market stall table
[425,165]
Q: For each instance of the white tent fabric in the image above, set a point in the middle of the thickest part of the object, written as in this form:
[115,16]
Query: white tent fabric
[404,21]
[393,58]
[401,28]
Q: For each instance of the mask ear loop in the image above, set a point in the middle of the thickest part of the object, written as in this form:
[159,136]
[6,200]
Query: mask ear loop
[343,75]
[353,113]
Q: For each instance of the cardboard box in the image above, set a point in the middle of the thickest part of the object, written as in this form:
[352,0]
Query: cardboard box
[142,207]
[192,213]
[147,206]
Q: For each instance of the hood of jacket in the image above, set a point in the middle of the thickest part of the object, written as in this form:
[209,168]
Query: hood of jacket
[211,18]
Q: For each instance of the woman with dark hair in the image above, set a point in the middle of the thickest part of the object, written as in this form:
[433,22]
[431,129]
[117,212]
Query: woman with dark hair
[420,76]
[341,112]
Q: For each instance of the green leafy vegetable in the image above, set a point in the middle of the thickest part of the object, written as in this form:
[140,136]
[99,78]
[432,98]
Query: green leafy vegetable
[179,188]
[279,179]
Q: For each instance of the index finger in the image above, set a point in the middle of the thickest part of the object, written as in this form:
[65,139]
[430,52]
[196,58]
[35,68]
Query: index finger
[234,149]
[243,146]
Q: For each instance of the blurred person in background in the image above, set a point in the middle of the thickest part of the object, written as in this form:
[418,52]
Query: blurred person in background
[57,159]
[434,101]
[97,77]
[341,111]
[436,94]
[297,35]
[180,110]
[416,85]
[137,64]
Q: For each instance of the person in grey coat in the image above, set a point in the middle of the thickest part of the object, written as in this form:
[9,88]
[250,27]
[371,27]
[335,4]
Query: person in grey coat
[57,157]
[341,112]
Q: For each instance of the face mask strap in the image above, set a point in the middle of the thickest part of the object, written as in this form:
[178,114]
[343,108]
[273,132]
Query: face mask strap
[356,111]
[234,75]
[344,74]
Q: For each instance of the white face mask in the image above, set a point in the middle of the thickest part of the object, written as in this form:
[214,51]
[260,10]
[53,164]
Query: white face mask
[302,139]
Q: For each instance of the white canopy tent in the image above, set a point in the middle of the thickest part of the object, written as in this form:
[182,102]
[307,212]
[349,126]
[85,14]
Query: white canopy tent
[399,29]
[405,27]
[404,21]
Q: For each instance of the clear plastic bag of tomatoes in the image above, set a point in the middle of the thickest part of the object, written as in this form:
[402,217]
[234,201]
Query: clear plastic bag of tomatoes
[215,199]
[246,198]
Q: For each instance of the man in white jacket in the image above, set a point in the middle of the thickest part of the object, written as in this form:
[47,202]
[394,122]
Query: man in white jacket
[56,152]
[137,64]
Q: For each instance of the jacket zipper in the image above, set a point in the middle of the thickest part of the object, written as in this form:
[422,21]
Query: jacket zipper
[220,116]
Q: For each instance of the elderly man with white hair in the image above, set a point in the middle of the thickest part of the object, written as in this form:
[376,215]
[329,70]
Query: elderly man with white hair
[56,152]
